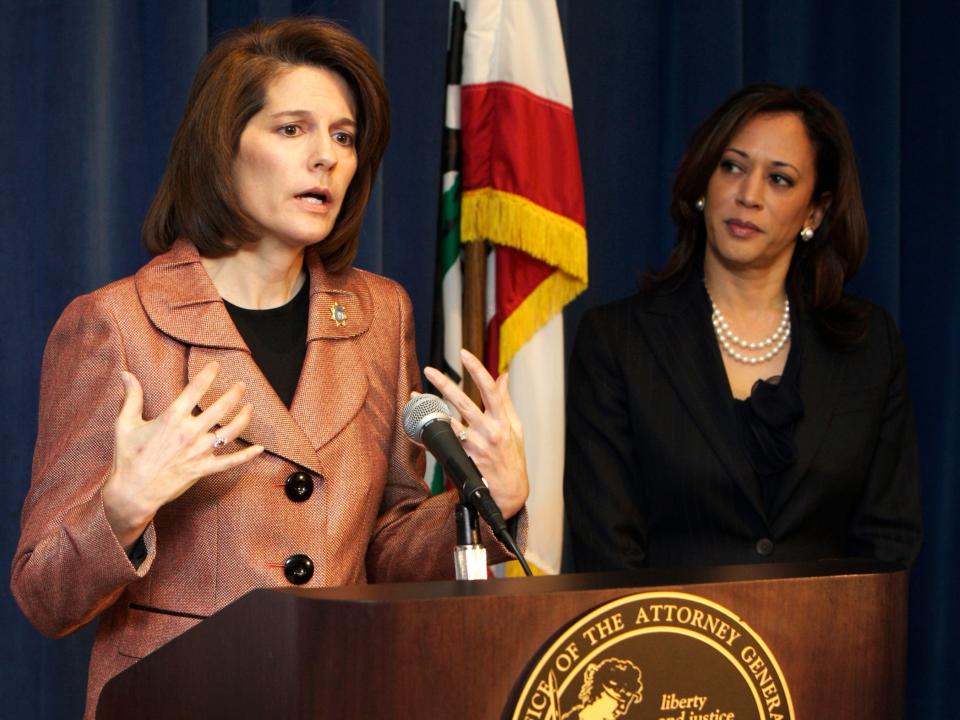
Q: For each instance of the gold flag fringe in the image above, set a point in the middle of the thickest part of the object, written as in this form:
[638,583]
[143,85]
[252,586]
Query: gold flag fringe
[546,300]
[514,221]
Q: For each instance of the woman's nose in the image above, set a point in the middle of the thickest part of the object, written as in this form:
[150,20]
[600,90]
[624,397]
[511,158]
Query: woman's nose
[749,194]
[323,154]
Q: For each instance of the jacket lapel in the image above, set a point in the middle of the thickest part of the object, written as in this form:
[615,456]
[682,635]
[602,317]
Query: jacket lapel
[183,303]
[333,384]
[271,424]
[821,378]
[677,327]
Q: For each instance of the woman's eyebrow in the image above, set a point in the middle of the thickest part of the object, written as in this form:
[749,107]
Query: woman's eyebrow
[778,163]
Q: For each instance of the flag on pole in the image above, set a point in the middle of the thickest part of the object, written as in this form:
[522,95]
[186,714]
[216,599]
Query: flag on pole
[446,333]
[521,190]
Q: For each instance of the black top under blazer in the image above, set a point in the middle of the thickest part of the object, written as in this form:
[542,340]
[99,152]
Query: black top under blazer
[656,471]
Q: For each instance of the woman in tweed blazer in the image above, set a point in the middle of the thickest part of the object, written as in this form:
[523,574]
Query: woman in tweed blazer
[170,476]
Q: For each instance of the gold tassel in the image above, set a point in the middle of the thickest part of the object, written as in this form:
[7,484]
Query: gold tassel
[546,300]
[513,221]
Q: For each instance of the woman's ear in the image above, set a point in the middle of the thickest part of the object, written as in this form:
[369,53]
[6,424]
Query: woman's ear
[819,210]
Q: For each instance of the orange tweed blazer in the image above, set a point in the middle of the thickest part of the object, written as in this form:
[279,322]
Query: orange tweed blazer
[370,516]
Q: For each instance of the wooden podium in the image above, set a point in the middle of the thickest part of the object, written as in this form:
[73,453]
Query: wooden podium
[450,650]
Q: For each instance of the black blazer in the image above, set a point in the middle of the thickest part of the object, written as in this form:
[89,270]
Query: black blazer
[657,474]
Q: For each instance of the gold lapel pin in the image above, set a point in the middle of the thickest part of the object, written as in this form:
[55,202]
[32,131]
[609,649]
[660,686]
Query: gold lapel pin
[338,314]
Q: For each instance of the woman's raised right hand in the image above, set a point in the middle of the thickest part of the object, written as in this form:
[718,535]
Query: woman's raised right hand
[156,461]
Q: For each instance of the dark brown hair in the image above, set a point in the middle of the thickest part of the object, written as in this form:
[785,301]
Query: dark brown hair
[821,267]
[196,197]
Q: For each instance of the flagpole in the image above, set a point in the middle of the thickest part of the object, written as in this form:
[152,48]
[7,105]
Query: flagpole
[474,301]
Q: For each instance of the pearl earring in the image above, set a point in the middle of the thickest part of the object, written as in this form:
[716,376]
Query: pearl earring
[700,204]
[806,234]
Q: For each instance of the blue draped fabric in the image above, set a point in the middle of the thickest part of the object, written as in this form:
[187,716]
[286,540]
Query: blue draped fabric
[91,92]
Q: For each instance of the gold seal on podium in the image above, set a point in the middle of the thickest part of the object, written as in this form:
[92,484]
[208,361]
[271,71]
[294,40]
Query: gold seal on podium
[657,656]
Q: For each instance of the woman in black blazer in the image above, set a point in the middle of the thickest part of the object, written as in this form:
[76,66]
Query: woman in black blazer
[741,408]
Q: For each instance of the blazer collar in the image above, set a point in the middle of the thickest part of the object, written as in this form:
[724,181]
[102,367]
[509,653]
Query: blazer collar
[822,373]
[676,324]
[182,302]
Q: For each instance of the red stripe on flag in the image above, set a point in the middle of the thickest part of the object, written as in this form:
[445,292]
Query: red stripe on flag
[518,274]
[521,143]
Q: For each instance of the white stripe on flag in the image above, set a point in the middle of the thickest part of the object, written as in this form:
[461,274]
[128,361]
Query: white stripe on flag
[519,42]
[537,390]
[452,289]
[452,110]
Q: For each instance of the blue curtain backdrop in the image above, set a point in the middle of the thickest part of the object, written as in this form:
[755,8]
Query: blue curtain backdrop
[91,92]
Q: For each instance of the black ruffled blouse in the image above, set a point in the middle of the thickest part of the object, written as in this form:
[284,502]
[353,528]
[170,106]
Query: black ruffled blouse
[768,419]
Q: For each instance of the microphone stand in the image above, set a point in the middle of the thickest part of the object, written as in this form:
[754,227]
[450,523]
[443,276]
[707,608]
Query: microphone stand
[469,556]
[426,420]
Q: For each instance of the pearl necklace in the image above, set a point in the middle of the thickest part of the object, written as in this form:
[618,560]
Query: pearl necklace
[728,338]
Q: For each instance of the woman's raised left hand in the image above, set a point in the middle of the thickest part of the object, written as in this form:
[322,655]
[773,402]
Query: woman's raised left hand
[494,437]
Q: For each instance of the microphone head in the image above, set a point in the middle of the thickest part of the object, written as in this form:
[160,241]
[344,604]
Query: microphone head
[422,410]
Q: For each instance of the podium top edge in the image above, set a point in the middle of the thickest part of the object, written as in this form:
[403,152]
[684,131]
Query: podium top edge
[638,580]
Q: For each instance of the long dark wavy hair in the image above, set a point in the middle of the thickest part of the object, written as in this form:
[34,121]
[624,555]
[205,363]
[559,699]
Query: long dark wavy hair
[820,268]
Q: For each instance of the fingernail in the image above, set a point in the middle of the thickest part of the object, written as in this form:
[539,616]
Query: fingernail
[125,377]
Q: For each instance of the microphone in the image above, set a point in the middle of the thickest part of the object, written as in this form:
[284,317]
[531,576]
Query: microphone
[426,419]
